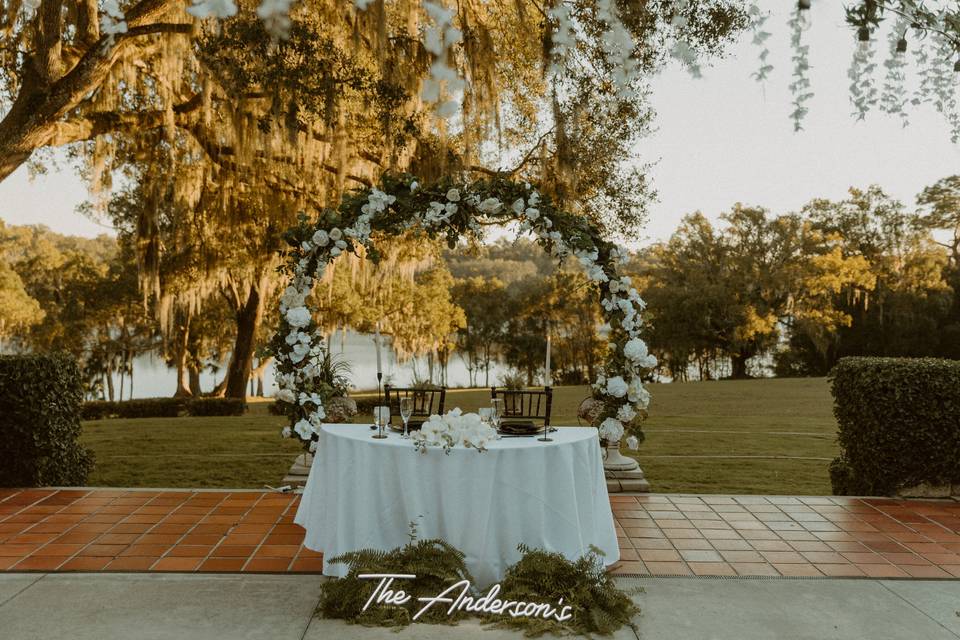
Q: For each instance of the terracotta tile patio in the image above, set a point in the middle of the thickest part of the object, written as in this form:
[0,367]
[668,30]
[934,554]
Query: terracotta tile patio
[253,531]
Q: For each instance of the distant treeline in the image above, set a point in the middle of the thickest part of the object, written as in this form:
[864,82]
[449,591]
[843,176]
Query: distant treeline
[756,293]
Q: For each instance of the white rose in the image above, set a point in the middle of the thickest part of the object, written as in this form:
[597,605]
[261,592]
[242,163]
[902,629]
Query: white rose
[617,387]
[286,395]
[635,349]
[335,252]
[533,213]
[611,430]
[614,286]
[286,432]
[518,206]
[413,186]
[313,446]
[490,205]
[298,316]
[633,443]
[320,238]
[336,234]
[299,352]
[453,195]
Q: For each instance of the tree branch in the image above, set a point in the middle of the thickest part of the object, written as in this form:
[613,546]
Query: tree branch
[49,40]
[88,22]
[102,122]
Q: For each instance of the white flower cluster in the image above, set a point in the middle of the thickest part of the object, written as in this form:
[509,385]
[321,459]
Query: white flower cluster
[305,350]
[438,40]
[618,45]
[452,429]
[112,21]
[213,9]
[275,15]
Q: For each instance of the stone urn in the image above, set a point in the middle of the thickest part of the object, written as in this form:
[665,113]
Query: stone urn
[589,411]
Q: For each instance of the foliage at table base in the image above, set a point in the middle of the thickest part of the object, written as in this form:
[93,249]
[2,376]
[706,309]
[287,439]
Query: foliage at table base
[436,564]
[597,604]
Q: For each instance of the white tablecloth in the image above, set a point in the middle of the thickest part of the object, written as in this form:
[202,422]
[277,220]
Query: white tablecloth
[363,493]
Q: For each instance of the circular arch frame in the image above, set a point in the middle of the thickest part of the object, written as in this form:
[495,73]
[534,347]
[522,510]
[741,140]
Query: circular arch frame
[453,210]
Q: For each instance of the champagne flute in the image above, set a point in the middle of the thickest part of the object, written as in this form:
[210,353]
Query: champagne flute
[406,410]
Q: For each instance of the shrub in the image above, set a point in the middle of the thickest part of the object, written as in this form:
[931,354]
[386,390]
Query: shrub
[216,407]
[365,405]
[98,409]
[40,398]
[150,408]
[899,424]
[513,380]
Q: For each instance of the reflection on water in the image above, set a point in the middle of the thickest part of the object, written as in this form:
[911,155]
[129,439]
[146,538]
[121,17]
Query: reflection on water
[152,377]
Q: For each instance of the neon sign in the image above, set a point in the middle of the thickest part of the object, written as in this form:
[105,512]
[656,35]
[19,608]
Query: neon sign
[458,597]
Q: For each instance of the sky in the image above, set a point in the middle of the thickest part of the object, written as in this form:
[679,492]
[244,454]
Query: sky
[719,140]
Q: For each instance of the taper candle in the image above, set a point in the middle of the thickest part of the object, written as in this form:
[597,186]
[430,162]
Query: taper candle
[376,341]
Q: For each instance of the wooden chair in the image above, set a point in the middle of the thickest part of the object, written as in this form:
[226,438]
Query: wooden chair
[426,402]
[524,407]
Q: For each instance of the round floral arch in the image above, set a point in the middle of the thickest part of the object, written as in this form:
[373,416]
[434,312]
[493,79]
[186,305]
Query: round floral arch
[454,210]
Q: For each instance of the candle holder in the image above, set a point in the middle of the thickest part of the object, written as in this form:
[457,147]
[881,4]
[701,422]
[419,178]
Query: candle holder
[379,398]
[546,423]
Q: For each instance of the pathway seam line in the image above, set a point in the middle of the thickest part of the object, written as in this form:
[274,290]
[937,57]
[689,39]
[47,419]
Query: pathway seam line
[41,577]
[948,630]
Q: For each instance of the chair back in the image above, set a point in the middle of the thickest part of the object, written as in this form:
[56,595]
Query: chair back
[426,401]
[526,404]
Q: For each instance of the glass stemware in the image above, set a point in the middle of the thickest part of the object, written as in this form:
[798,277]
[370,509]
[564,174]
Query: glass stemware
[381,417]
[496,412]
[406,410]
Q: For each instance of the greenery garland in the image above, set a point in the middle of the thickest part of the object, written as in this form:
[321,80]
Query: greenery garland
[597,604]
[452,210]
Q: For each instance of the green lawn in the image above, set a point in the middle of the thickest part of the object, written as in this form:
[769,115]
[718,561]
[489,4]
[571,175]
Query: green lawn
[754,436]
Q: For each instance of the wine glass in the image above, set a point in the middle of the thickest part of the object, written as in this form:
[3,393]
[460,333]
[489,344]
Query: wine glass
[381,416]
[496,412]
[406,410]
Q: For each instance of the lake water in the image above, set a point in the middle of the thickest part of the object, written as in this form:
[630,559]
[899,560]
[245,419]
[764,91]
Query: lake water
[152,378]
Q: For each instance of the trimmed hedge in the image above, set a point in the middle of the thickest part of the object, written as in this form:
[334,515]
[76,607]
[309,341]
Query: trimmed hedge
[163,408]
[899,424]
[216,407]
[40,398]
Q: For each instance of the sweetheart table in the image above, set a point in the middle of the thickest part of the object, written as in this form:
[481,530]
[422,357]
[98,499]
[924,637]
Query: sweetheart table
[363,493]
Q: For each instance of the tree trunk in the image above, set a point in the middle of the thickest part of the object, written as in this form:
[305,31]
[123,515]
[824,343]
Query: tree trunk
[739,364]
[241,360]
[110,383]
[194,375]
[181,339]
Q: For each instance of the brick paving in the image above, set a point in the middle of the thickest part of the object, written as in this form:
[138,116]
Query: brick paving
[253,531]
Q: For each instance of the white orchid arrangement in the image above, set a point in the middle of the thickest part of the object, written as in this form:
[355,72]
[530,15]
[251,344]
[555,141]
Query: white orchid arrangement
[453,429]
[452,210]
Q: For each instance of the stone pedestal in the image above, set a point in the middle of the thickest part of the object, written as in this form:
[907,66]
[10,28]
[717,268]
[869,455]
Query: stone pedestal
[297,476]
[623,474]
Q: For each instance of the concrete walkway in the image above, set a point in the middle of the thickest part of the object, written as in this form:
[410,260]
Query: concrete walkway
[145,606]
